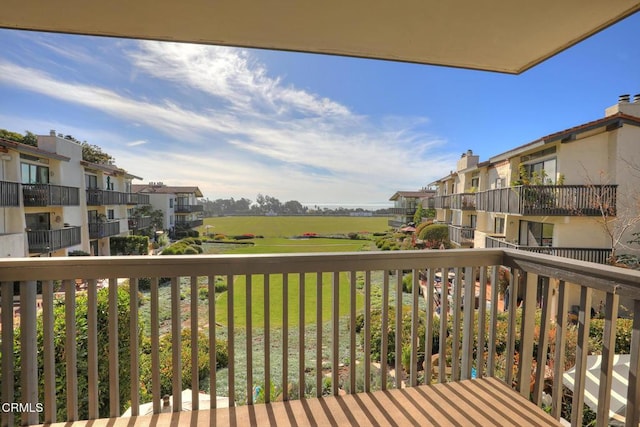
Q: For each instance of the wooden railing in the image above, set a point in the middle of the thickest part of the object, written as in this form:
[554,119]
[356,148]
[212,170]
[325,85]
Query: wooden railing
[50,195]
[98,230]
[597,255]
[9,194]
[42,241]
[403,211]
[563,200]
[460,235]
[346,282]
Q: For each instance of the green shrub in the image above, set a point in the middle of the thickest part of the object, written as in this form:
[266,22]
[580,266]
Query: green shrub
[129,245]
[190,250]
[407,283]
[435,234]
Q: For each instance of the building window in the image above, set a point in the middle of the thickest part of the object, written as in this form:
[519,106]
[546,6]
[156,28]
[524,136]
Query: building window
[498,225]
[499,183]
[34,174]
[38,221]
[473,220]
[171,202]
[171,220]
[543,172]
[91,181]
[536,234]
[110,214]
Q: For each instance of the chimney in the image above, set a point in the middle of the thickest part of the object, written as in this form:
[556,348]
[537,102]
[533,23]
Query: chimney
[52,132]
[625,106]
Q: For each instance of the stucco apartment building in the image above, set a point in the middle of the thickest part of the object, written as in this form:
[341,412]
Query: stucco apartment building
[406,203]
[179,204]
[571,177]
[52,202]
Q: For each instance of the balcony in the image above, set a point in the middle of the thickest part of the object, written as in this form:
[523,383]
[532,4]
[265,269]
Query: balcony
[558,200]
[98,230]
[139,222]
[395,223]
[442,202]
[189,223]
[188,208]
[43,241]
[463,201]
[499,395]
[97,197]
[461,236]
[138,199]
[9,194]
[50,195]
[403,211]
[596,255]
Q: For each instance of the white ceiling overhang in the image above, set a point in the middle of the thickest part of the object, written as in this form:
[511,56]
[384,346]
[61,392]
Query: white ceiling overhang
[498,35]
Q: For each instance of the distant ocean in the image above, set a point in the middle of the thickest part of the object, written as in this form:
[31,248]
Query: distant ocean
[371,206]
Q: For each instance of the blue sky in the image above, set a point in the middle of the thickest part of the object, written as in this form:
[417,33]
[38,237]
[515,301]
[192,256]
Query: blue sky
[318,129]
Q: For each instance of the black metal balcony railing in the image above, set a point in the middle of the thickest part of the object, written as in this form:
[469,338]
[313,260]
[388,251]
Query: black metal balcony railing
[98,230]
[50,195]
[597,255]
[139,222]
[188,208]
[467,354]
[42,241]
[561,200]
[442,202]
[395,223]
[403,211]
[137,199]
[96,197]
[461,235]
[9,194]
[463,201]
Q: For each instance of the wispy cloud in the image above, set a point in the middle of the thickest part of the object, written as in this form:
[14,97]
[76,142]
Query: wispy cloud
[136,143]
[235,130]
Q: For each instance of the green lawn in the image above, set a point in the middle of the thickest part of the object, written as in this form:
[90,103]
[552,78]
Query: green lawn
[281,245]
[276,231]
[276,298]
[287,226]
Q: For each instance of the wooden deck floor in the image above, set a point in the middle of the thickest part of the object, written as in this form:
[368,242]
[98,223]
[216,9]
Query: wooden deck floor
[480,402]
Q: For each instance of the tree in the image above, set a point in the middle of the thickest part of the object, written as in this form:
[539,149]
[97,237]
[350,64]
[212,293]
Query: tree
[93,153]
[417,217]
[619,212]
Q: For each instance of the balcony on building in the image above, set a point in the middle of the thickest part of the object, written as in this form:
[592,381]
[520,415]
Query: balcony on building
[463,201]
[595,255]
[442,202]
[461,236]
[185,208]
[556,200]
[44,241]
[9,194]
[465,387]
[189,223]
[98,230]
[138,199]
[97,197]
[139,222]
[50,195]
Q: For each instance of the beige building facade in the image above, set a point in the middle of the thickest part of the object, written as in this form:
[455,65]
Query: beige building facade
[574,193]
